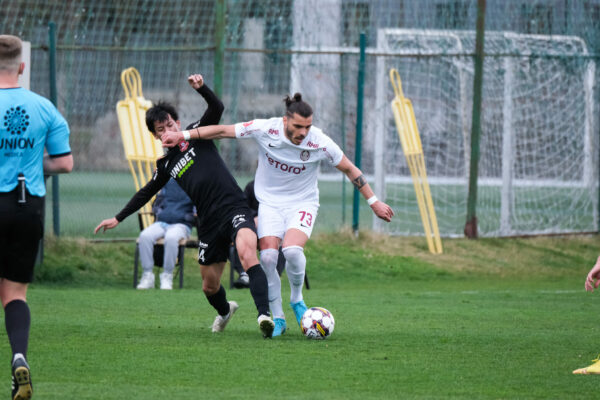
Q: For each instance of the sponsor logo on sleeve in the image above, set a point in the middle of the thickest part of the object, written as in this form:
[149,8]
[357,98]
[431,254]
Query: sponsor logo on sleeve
[238,220]
[328,154]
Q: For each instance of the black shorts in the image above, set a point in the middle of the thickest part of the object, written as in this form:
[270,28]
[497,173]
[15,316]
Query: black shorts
[21,229]
[216,235]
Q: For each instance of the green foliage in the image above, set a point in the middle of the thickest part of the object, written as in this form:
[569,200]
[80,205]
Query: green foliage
[75,262]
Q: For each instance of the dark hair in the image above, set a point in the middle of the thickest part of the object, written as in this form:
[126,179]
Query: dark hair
[159,113]
[296,105]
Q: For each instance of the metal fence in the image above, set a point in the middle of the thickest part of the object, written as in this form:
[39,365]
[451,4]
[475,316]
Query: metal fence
[255,52]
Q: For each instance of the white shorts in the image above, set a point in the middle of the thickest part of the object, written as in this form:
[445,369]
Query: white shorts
[277,221]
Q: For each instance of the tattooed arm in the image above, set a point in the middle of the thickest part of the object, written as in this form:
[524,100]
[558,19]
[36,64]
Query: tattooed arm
[357,178]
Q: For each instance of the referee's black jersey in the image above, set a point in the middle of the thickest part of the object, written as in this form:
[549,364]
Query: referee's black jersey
[200,171]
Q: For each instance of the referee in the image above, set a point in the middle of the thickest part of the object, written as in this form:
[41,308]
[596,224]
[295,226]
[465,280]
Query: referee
[29,124]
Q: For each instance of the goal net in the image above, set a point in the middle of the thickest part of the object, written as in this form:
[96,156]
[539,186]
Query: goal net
[537,167]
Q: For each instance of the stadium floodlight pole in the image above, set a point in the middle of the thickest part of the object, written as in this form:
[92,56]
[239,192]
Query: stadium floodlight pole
[53,99]
[359,120]
[471,223]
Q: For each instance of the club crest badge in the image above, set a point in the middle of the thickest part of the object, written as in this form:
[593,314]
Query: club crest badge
[183,146]
[305,155]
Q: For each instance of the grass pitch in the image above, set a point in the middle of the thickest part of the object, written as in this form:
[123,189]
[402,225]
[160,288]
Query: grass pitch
[488,319]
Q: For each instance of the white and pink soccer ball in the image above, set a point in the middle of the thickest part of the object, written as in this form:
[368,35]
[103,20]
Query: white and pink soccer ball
[317,323]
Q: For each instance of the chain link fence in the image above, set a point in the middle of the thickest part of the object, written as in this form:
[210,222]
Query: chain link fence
[276,47]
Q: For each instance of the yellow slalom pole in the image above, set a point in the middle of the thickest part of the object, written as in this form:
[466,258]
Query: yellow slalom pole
[406,124]
[141,150]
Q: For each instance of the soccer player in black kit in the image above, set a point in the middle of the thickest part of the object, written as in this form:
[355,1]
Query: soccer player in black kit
[223,214]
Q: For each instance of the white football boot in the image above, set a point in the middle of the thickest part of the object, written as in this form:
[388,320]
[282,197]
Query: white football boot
[266,326]
[222,320]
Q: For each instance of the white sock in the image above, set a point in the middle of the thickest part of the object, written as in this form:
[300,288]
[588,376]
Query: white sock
[295,267]
[268,262]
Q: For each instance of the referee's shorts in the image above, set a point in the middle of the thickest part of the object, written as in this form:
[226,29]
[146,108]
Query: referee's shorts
[21,228]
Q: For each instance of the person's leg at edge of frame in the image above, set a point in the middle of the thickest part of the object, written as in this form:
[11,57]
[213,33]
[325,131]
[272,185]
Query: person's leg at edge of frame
[19,252]
[246,244]
[17,319]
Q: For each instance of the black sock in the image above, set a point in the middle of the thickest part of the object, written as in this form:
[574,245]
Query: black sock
[259,288]
[219,301]
[17,319]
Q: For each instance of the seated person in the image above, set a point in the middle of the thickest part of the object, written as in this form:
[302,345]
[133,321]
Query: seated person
[174,216]
[243,281]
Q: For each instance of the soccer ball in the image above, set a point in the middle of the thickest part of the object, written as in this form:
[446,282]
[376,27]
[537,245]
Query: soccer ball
[317,323]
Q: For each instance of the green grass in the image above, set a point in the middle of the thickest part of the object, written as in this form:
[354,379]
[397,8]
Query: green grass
[488,319]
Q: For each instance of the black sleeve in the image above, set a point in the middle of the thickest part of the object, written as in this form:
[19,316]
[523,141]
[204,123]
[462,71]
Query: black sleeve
[213,113]
[142,196]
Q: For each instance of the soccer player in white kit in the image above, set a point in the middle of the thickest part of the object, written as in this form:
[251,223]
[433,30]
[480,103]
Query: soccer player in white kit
[286,187]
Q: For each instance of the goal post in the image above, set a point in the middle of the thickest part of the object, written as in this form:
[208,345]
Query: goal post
[538,170]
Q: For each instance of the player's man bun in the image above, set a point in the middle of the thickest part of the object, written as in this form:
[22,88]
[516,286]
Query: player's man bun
[294,99]
[295,105]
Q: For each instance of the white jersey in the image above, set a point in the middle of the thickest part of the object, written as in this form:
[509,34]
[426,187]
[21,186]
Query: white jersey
[287,173]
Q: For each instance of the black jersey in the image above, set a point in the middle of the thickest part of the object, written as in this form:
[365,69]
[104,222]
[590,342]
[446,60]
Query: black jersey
[200,171]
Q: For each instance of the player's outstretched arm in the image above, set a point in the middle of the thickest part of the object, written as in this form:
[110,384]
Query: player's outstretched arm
[171,139]
[357,178]
[592,281]
[107,224]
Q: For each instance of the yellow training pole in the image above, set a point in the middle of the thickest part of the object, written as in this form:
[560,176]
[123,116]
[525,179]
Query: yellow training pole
[141,150]
[406,124]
